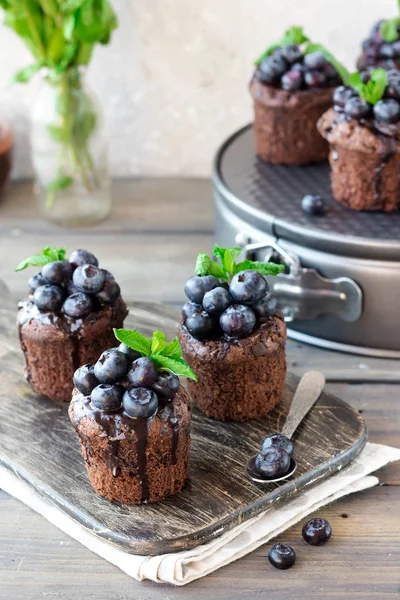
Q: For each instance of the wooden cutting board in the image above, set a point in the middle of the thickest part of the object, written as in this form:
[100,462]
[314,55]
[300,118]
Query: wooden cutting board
[38,443]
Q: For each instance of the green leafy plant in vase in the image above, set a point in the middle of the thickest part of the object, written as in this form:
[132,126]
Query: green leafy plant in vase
[68,138]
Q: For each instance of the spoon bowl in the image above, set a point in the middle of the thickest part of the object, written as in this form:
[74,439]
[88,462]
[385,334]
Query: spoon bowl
[257,478]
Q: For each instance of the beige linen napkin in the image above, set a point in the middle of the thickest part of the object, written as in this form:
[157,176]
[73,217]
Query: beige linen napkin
[183,567]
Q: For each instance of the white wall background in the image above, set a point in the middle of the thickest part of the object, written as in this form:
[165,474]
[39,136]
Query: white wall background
[174,80]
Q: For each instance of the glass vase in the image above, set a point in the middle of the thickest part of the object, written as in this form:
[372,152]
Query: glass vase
[70,152]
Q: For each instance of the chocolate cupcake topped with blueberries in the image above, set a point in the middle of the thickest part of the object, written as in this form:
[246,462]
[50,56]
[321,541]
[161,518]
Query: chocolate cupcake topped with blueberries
[363,131]
[68,318]
[233,337]
[382,47]
[292,87]
[133,418]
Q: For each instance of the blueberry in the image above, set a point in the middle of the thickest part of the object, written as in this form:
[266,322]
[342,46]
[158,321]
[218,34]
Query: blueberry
[72,289]
[315,60]
[272,68]
[330,71]
[216,301]
[393,86]
[36,281]
[140,402]
[282,556]
[387,111]
[197,286]
[291,53]
[57,272]
[317,531]
[292,80]
[190,308]
[376,28]
[238,321]
[143,372]
[278,440]
[358,108]
[272,463]
[396,49]
[313,205]
[342,94]
[85,380]
[297,67]
[201,326]
[111,366]
[248,287]
[266,307]
[106,396]
[129,353]
[109,294]
[88,278]
[77,305]
[314,79]
[166,384]
[83,257]
[387,51]
[48,297]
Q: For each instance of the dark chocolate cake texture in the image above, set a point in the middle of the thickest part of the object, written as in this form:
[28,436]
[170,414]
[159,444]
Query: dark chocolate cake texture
[233,337]
[363,130]
[133,417]
[292,87]
[68,318]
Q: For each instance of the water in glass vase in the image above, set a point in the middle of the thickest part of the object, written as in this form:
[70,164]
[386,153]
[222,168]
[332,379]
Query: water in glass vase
[70,152]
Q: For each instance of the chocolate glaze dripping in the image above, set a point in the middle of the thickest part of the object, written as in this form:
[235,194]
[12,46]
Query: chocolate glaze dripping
[140,427]
[28,375]
[389,150]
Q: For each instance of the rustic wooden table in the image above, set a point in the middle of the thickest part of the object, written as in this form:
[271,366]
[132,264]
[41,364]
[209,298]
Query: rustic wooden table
[150,243]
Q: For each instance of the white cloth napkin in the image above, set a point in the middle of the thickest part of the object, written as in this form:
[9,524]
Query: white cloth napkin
[183,567]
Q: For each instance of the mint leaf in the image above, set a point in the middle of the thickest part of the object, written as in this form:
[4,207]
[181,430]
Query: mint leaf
[293,35]
[134,340]
[39,260]
[174,365]
[263,268]
[173,349]
[341,69]
[217,271]
[373,90]
[219,252]
[389,31]
[230,257]
[26,74]
[158,342]
[203,263]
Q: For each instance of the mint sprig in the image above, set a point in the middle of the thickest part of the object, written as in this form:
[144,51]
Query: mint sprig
[373,90]
[228,267]
[389,30]
[341,69]
[167,356]
[48,255]
[293,35]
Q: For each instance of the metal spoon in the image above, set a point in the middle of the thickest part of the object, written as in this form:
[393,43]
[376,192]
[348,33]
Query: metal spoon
[307,393]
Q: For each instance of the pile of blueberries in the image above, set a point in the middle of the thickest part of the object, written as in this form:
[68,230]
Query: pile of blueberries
[75,287]
[376,50]
[123,377]
[348,102]
[293,70]
[275,456]
[217,307]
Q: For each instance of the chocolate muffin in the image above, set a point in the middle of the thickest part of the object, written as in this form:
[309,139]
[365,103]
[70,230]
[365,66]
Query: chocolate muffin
[292,87]
[6,142]
[133,419]
[233,338]
[364,139]
[382,47]
[67,320]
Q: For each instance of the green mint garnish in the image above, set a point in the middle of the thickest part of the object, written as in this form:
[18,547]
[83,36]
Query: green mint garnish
[229,267]
[168,357]
[293,35]
[373,90]
[39,260]
[341,69]
[389,30]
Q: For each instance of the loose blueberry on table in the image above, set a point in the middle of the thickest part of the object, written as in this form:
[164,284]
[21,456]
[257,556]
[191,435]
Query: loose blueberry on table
[136,377]
[317,531]
[74,288]
[294,63]
[227,298]
[282,556]
[274,459]
[313,205]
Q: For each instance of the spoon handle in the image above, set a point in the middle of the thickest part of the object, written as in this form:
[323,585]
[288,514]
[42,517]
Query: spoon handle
[307,393]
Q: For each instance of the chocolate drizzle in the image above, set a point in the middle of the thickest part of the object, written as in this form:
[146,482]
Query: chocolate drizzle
[389,150]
